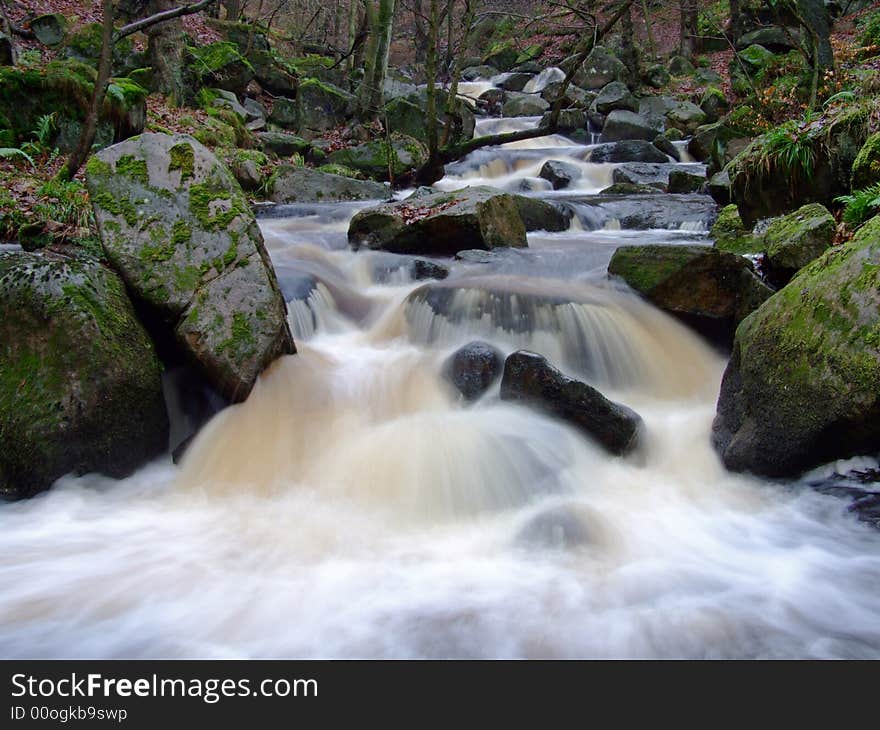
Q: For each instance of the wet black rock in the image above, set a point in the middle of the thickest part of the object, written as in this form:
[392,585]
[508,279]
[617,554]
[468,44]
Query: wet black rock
[426,269]
[633,150]
[559,174]
[473,368]
[528,378]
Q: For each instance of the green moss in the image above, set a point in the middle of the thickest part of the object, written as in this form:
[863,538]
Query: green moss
[215,56]
[181,233]
[160,249]
[118,206]
[134,168]
[866,167]
[731,235]
[182,158]
[98,168]
[242,343]
[215,207]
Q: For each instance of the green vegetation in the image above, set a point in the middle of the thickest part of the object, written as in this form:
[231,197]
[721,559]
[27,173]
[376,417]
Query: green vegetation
[861,205]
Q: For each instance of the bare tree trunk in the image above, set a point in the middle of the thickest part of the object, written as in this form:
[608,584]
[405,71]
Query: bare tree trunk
[688,27]
[629,55]
[165,51]
[380,70]
[431,73]
[736,22]
[7,30]
[450,27]
[233,9]
[90,125]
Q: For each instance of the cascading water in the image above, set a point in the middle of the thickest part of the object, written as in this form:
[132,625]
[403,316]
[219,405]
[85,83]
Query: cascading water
[355,506]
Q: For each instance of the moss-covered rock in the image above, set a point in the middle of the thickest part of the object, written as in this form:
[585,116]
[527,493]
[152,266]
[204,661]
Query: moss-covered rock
[64,89]
[599,69]
[49,28]
[80,385]
[803,383]
[714,103]
[796,239]
[175,224]
[440,224]
[283,144]
[321,106]
[272,74]
[84,44]
[383,159]
[293,184]
[731,235]
[710,290]
[866,167]
[503,55]
[686,117]
[218,65]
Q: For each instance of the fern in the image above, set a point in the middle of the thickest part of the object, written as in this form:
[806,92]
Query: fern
[45,129]
[861,205]
[7,152]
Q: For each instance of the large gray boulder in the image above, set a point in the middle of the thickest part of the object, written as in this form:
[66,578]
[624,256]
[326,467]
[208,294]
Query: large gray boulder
[528,378]
[176,226]
[560,174]
[297,184]
[615,95]
[622,124]
[599,69]
[523,105]
[440,223]
[803,384]
[80,382]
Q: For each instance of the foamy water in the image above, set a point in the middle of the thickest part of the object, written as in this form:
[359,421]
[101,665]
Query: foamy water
[354,506]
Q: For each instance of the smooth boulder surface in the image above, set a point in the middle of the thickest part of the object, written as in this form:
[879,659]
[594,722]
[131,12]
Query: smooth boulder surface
[441,223]
[296,184]
[803,384]
[321,106]
[473,369]
[528,378]
[523,105]
[707,289]
[622,124]
[598,70]
[615,95]
[633,150]
[80,382]
[176,226]
[796,239]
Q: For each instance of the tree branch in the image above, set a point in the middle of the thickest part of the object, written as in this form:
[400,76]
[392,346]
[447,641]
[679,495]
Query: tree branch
[143,24]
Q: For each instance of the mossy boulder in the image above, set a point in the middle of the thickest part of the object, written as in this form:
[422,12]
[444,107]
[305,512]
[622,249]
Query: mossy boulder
[709,290]
[680,66]
[219,65]
[49,29]
[731,235]
[866,167]
[272,74]
[80,382]
[320,106]
[431,223]
[714,103]
[803,384]
[176,225]
[683,181]
[756,57]
[796,239]
[383,159]
[624,125]
[84,44]
[685,117]
[283,144]
[503,56]
[292,184]
[64,88]
[599,69]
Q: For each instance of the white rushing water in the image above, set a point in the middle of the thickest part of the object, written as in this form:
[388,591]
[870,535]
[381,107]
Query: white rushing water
[355,507]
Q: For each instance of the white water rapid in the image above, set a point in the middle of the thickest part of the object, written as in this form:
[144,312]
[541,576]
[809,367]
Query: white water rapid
[355,507]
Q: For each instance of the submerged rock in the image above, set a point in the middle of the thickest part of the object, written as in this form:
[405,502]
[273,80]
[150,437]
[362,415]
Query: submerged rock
[528,378]
[296,184]
[707,289]
[473,368]
[80,382]
[178,229]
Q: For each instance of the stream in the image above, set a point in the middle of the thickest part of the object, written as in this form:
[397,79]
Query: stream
[356,506]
